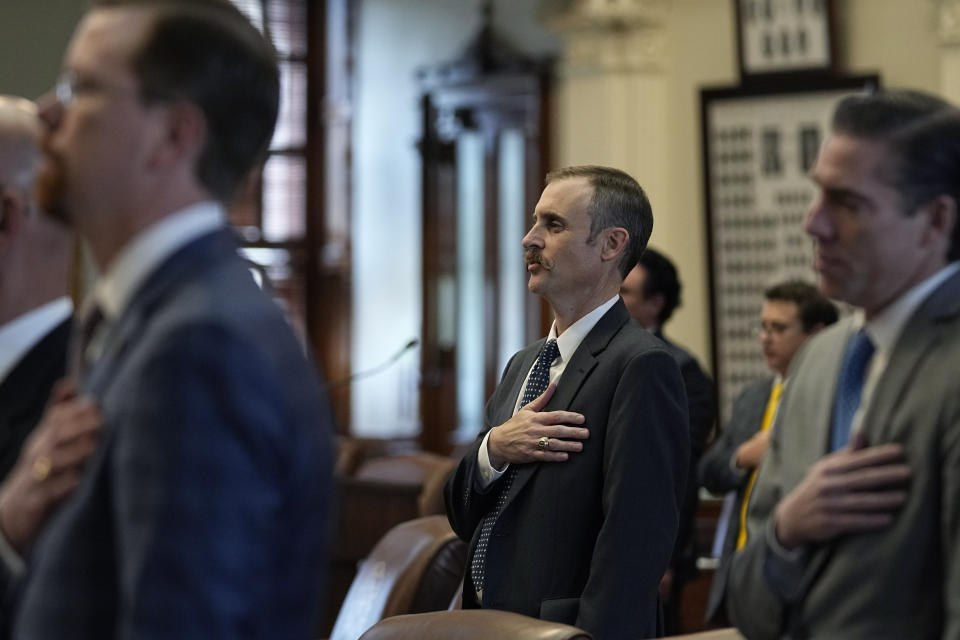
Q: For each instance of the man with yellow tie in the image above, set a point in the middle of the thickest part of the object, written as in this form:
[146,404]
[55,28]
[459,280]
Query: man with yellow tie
[792,312]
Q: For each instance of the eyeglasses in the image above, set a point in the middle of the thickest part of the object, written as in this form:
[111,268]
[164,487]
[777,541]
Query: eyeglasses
[69,86]
[774,329]
[64,90]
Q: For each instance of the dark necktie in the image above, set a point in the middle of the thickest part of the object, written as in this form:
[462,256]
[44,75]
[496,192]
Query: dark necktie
[850,387]
[91,321]
[536,384]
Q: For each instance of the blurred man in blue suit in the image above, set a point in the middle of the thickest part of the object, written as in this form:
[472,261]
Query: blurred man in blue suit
[203,511]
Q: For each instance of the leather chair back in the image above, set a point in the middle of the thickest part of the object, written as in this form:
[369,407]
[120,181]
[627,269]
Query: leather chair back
[416,567]
[471,624]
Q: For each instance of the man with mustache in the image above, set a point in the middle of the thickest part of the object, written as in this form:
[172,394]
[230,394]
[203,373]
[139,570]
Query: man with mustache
[203,513]
[570,495]
[853,530]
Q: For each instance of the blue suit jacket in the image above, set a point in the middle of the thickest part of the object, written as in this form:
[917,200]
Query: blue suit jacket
[202,514]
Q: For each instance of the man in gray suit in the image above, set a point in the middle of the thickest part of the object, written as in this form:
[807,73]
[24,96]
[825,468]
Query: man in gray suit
[792,312]
[854,527]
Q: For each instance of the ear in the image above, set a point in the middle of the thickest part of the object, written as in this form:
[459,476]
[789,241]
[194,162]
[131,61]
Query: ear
[183,134]
[614,243]
[656,302]
[942,214]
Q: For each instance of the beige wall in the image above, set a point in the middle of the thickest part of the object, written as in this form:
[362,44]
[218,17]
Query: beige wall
[34,34]
[896,38]
[657,140]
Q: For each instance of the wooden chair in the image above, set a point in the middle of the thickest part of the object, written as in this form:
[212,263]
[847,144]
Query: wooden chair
[416,567]
[472,624]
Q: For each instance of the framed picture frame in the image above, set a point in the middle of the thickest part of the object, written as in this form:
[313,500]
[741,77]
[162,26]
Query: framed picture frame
[759,144]
[785,36]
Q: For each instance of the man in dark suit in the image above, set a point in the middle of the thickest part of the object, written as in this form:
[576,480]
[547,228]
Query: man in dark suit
[35,311]
[651,292]
[853,528]
[203,511]
[571,493]
[39,465]
[792,312]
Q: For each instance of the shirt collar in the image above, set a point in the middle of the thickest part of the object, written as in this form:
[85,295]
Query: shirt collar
[570,339]
[886,326]
[22,333]
[149,249]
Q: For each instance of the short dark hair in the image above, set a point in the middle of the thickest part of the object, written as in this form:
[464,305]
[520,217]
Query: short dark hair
[661,279]
[208,53]
[813,307]
[923,133]
[618,201]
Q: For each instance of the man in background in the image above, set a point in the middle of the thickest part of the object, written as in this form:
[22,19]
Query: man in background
[792,312]
[203,512]
[35,324]
[35,311]
[853,530]
[570,495]
[651,292]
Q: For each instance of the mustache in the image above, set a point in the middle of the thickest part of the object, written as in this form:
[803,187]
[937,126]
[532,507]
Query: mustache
[533,255]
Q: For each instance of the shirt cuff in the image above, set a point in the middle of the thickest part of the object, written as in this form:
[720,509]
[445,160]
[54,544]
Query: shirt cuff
[784,568]
[10,557]
[486,474]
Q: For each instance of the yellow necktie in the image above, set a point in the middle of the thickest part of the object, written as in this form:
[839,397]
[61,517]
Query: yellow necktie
[764,426]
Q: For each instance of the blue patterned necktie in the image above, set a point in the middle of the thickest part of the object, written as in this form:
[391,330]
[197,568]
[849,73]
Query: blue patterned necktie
[850,387]
[536,385]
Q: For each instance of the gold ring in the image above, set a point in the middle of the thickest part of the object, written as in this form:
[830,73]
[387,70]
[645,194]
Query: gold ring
[544,443]
[41,468]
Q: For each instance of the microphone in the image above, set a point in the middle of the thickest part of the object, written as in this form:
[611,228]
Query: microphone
[366,373]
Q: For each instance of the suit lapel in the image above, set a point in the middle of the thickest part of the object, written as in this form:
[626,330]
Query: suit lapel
[581,365]
[183,264]
[919,337]
[18,398]
[824,385]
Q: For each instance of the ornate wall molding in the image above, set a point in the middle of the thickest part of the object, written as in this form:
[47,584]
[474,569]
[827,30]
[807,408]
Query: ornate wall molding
[948,22]
[611,35]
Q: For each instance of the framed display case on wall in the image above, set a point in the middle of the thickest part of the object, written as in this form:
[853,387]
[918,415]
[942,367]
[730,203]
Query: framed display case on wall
[778,36]
[758,147]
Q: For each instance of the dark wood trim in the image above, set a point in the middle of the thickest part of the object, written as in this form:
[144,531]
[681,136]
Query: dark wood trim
[328,260]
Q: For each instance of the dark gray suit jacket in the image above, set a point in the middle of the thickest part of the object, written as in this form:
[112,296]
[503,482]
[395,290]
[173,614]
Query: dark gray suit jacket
[25,390]
[903,581]
[586,541]
[203,512]
[701,409]
[716,475]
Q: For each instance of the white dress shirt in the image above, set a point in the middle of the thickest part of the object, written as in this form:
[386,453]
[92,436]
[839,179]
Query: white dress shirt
[567,344]
[22,334]
[885,329]
[148,249]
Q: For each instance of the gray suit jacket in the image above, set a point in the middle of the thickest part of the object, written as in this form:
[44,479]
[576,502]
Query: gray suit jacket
[904,581]
[716,475]
[586,541]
